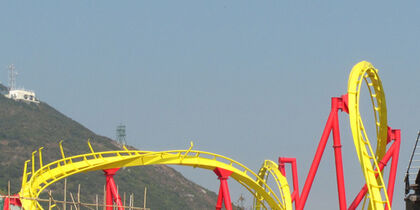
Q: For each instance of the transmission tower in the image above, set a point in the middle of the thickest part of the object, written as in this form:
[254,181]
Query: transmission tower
[240,203]
[12,76]
[121,135]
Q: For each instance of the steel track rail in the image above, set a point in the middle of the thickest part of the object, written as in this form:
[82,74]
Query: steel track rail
[364,72]
[57,170]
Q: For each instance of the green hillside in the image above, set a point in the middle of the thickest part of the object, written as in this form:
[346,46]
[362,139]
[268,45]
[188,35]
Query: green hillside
[27,127]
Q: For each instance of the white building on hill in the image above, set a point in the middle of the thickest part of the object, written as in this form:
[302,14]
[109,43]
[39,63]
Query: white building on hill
[19,94]
[24,95]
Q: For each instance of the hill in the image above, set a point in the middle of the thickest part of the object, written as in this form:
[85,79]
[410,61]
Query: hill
[25,128]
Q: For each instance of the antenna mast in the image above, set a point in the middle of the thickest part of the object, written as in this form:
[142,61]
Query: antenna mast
[12,76]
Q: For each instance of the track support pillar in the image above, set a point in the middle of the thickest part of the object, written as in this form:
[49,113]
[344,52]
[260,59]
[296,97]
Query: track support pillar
[12,200]
[392,153]
[282,168]
[332,125]
[224,194]
[111,190]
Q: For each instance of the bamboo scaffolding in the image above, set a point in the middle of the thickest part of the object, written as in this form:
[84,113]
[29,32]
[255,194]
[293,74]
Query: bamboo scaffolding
[65,194]
[145,196]
[74,203]
[97,202]
[52,203]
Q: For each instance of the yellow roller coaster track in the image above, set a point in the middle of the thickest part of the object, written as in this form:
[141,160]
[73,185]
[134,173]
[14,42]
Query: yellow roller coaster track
[270,167]
[365,72]
[57,170]
[34,182]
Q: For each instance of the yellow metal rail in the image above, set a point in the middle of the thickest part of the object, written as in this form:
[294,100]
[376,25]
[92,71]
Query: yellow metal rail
[365,72]
[271,168]
[35,182]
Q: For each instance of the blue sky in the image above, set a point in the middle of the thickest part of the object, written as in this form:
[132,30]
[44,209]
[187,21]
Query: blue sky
[248,80]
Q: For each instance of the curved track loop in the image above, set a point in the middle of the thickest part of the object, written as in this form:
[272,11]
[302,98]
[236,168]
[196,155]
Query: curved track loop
[364,71]
[270,167]
[65,167]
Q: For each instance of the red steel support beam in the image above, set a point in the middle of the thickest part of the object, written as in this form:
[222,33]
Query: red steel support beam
[109,203]
[13,200]
[396,135]
[219,203]
[337,103]
[111,190]
[332,125]
[224,194]
[393,152]
[292,161]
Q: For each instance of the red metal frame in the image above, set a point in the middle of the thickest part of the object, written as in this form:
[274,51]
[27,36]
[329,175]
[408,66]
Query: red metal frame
[224,194]
[13,200]
[393,152]
[111,193]
[292,161]
[332,125]
[111,190]
[337,103]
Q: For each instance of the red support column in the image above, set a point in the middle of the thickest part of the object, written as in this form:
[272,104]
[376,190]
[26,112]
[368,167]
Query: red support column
[6,205]
[393,152]
[396,135]
[315,163]
[111,190]
[339,104]
[219,203]
[115,195]
[292,161]
[364,190]
[109,202]
[224,194]
[11,201]
[332,124]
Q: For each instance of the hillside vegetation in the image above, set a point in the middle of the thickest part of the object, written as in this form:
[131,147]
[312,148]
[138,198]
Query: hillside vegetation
[25,128]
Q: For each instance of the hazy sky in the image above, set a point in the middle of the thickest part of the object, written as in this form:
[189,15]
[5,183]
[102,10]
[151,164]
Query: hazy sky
[248,80]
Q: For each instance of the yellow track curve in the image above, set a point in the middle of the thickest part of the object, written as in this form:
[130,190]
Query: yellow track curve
[270,167]
[57,170]
[364,71]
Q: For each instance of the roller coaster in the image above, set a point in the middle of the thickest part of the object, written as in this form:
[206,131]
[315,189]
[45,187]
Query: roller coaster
[373,195]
